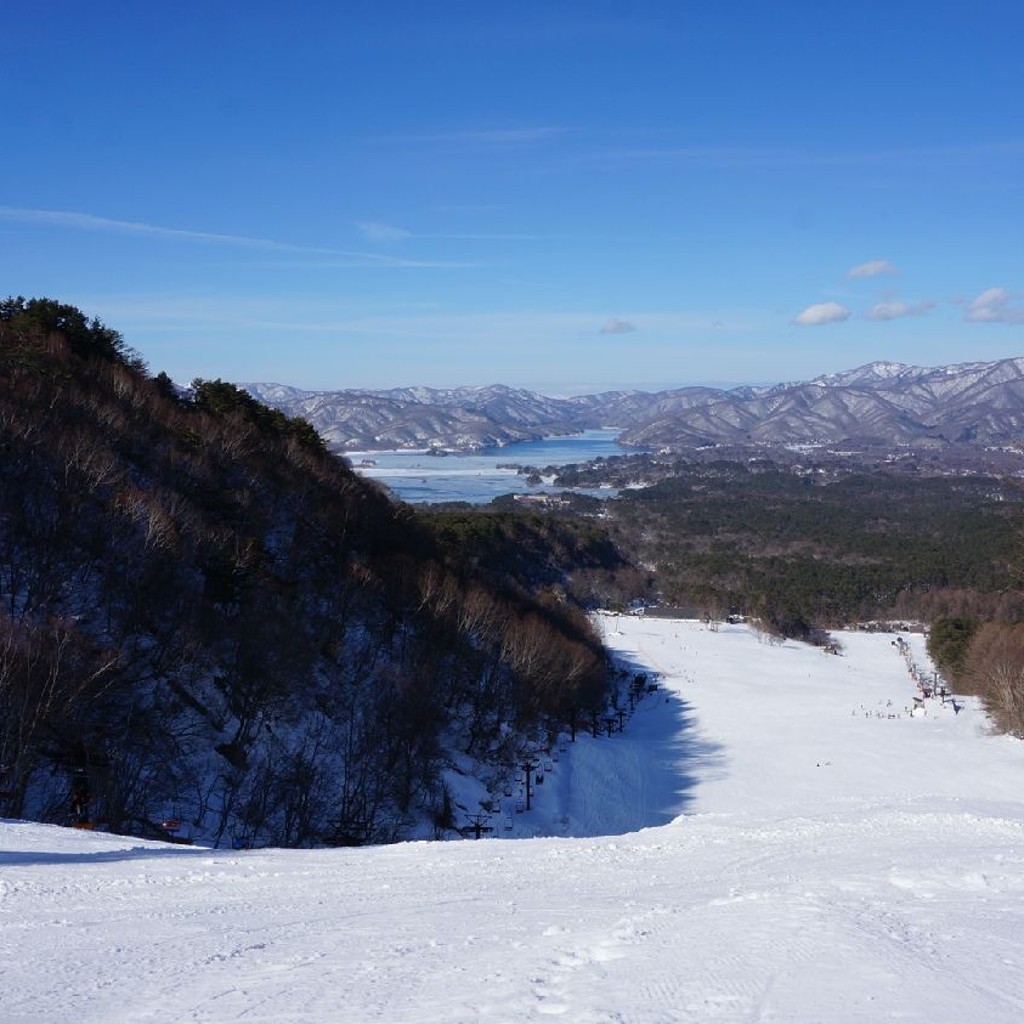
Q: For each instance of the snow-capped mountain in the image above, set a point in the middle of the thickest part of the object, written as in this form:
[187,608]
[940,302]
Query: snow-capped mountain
[881,403]
[457,418]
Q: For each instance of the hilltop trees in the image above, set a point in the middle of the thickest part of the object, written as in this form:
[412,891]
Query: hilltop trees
[46,319]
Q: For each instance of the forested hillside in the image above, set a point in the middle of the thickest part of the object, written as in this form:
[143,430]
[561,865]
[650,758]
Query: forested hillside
[798,551]
[203,613]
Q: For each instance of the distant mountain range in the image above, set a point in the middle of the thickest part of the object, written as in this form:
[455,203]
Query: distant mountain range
[879,404]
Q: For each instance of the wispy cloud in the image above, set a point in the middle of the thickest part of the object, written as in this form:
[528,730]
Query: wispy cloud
[782,157]
[822,313]
[369,261]
[488,137]
[485,236]
[350,316]
[375,231]
[511,136]
[617,326]
[90,222]
[894,309]
[338,257]
[873,268]
[996,306]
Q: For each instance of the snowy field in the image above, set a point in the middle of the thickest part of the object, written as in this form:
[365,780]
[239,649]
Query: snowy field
[772,839]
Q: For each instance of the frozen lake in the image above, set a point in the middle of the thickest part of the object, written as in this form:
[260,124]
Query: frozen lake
[420,477]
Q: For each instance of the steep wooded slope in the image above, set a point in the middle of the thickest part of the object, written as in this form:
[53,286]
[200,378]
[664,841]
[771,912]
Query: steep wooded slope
[205,614]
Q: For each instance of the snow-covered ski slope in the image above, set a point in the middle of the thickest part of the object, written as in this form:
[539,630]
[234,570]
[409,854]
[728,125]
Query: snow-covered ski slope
[809,858]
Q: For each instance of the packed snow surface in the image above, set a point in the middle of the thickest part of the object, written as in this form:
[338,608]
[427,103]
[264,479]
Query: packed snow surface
[772,838]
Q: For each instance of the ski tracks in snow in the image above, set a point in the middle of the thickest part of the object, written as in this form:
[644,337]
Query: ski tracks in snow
[889,886]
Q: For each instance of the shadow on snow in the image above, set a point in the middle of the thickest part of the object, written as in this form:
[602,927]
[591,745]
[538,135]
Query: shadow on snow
[644,776]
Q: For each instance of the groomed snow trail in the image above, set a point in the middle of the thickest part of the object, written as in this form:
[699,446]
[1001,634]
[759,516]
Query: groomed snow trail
[810,859]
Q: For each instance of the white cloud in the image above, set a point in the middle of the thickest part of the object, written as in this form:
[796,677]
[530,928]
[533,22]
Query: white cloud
[895,309]
[996,306]
[617,326]
[871,269]
[374,231]
[822,313]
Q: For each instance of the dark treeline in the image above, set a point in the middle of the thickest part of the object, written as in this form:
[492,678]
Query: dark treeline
[799,553]
[564,556]
[203,612]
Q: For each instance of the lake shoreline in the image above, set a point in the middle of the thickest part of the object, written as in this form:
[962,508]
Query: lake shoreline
[478,477]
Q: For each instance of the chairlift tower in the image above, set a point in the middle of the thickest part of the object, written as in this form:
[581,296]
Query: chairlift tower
[478,824]
[528,764]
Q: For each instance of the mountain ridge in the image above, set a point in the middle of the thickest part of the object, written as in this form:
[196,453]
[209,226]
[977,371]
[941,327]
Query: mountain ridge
[880,403]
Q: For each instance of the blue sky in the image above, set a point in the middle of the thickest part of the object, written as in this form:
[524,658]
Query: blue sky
[567,196]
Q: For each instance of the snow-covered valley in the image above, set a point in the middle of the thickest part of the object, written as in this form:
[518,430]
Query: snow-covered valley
[772,838]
